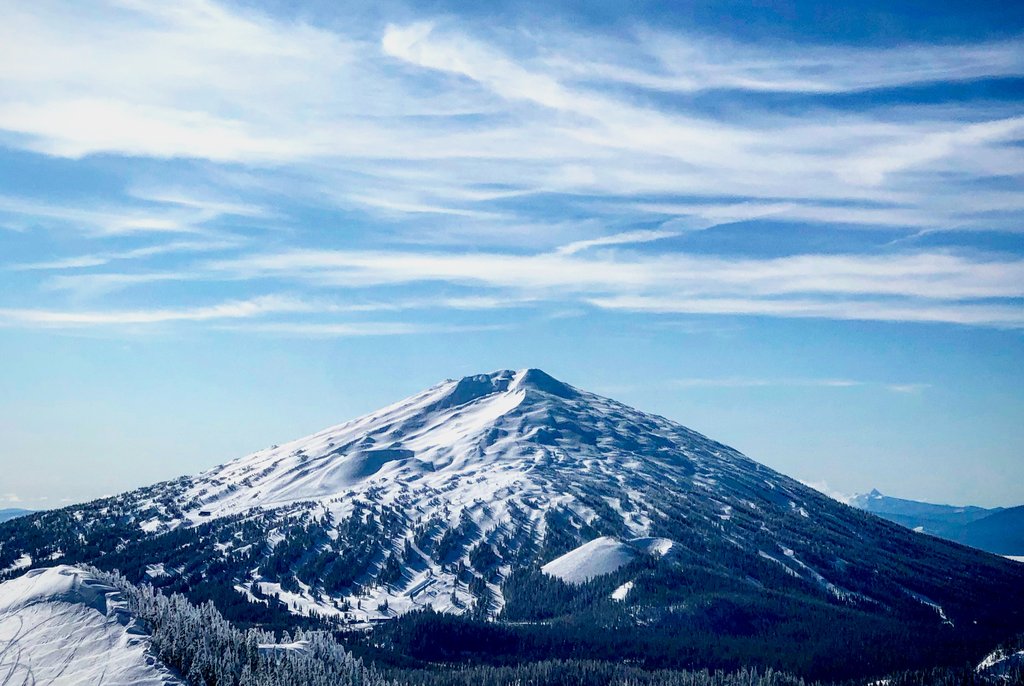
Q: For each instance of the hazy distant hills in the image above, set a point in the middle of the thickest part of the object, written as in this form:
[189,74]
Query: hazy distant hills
[1001,532]
[13,512]
[998,530]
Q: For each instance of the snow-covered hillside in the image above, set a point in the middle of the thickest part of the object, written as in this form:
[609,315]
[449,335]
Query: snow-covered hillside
[1002,665]
[62,626]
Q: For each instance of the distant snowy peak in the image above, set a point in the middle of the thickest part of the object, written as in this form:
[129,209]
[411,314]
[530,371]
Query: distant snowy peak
[998,530]
[12,513]
[61,625]
[1003,665]
[876,501]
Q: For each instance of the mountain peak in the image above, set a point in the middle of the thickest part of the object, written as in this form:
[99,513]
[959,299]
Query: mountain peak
[470,388]
[540,380]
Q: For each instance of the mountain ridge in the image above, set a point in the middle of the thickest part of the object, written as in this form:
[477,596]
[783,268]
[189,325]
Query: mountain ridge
[64,625]
[12,512]
[998,530]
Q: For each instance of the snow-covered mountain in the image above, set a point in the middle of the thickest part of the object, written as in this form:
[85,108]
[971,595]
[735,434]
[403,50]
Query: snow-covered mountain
[62,625]
[504,439]
[484,464]
[447,498]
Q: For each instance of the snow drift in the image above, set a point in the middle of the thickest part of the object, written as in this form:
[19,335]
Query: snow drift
[61,625]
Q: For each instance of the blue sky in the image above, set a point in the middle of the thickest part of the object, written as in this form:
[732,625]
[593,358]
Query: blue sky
[795,228]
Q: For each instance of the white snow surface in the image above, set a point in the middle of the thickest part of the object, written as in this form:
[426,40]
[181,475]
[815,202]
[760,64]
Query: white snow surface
[602,555]
[425,439]
[622,591]
[20,563]
[1000,663]
[475,439]
[60,625]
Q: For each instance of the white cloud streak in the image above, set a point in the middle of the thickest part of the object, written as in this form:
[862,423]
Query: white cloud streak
[688,63]
[1002,316]
[923,275]
[359,329]
[100,259]
[624,238]
[915,287]
[236,309]
[742,382]
[159,216]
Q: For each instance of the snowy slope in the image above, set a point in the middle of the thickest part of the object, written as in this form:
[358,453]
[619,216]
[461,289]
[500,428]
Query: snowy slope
[61,626]
[1001,664]
[494,438]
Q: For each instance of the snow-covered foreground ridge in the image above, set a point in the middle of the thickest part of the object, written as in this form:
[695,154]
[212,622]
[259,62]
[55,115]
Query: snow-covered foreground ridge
[61,625]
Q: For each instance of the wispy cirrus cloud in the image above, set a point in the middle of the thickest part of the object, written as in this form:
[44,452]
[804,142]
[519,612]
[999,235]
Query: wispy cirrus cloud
[748,382]
[688,63]
[513,167]
[925,275]
[359,329]
[103,258]
[234,309]
[912,287]
[423,118]
[320,314]
[968,314]
[624,238]
[153,215]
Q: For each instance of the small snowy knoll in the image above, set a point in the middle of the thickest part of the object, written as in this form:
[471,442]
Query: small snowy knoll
[602,555]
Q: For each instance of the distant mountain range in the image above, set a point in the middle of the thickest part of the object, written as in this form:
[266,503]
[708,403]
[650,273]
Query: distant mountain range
[997,530]
[13,512]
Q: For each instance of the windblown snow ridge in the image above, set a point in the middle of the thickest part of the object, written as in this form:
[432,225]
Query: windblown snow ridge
[61,625]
